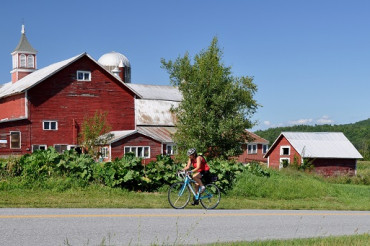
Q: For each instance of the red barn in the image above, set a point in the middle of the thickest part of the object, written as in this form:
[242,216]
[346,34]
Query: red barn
[331,153]
[46,107]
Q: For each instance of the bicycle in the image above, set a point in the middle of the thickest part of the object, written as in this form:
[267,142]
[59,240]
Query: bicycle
[179,193]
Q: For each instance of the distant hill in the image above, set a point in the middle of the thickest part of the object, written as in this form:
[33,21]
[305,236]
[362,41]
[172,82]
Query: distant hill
[358,133]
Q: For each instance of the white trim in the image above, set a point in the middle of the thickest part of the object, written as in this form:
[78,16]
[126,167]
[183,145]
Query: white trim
[26,104]
[50,121]
[137,152]
[281,163]
[253,151]
[83,73]
[284,147]
[43,145]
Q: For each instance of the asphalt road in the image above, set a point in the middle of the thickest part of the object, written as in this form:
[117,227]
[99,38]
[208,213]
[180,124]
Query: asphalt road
[170,227]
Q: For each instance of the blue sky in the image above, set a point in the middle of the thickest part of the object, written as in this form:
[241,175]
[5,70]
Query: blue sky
[309,59]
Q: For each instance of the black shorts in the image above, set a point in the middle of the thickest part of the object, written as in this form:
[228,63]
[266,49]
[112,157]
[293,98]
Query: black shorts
[206,177]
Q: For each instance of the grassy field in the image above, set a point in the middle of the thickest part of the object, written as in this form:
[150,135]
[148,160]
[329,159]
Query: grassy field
[286,189]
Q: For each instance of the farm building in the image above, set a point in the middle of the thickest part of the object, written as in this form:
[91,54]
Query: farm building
[331,153]
[46,107]
[254,149]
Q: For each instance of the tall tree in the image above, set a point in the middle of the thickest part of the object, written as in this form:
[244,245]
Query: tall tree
[216,106]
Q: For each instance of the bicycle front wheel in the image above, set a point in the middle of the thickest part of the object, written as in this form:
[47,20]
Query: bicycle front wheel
[211,197]
[178,195]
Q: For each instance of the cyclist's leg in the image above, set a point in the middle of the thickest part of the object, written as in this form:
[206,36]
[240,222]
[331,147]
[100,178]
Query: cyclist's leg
[198,179]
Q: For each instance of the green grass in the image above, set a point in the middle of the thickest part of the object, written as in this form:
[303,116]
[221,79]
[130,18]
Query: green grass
[355,240]
[287,189]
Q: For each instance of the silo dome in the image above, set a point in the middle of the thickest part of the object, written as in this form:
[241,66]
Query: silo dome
[113,60]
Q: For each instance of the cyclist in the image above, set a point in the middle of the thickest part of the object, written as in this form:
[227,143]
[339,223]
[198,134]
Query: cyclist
[201,169]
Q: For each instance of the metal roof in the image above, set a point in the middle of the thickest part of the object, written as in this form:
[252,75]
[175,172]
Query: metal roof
[157,92]
[321,144]
[154,112]
[161,134]
[40,75]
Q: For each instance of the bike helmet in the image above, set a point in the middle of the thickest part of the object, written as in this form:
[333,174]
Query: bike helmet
[192,151]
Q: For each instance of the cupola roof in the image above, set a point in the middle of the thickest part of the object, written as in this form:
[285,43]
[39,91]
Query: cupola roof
[24,45]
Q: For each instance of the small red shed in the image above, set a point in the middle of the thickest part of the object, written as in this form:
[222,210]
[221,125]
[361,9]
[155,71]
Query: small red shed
[331,153]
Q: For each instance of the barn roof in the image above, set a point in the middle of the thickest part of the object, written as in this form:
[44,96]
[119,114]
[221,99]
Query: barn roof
[42,74]
[320,145]
[157,92]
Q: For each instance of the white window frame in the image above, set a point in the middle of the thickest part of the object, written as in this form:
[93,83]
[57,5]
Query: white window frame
[30,61]
[61,151]
[284,147]
[265,148]
[86,75]
[104,152]
[172,149]
[22,61]
[253,149]
[135,150]
[38,147]
[49,121]
[281,161]
[20,140]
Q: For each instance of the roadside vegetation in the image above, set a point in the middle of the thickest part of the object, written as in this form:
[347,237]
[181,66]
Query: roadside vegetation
[50,179]
[354,240]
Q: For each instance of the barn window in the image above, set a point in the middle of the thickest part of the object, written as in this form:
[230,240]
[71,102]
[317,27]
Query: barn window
[285,150]
[15,140]
[170,149]
[22,60]
[49,125]
[265,147]
[104,152]
[30,61]
[284,162]
[252,148]
[83,75]
[139,151]
[39,147]
[60,148]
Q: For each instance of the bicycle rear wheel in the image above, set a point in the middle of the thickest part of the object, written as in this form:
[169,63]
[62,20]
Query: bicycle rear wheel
[178,195]
[211,197]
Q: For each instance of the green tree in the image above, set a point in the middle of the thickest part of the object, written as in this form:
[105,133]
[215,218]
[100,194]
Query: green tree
[95,133]
[216,106]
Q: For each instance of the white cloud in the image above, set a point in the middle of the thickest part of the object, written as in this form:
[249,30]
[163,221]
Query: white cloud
[324,120]
[300,122]
[267,123]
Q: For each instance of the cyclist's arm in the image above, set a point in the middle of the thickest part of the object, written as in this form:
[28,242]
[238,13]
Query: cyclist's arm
[187,167]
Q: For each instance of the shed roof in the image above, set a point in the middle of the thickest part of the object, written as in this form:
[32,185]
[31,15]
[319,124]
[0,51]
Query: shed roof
[320,145]
[256,138]
[161,134]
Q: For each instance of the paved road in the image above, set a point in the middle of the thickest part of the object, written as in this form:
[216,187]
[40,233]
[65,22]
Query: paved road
[169,226]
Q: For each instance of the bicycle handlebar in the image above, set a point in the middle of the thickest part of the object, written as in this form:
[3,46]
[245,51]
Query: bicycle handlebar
[183,174]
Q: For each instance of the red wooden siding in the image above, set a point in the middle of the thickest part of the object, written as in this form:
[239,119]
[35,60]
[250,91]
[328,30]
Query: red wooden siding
[12,107]
[330,167]
[245,157]
[274,157]
[136,139]
[22,126]
[63,99]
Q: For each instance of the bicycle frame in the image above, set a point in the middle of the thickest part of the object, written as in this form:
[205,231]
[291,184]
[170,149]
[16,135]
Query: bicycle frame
[187,182]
